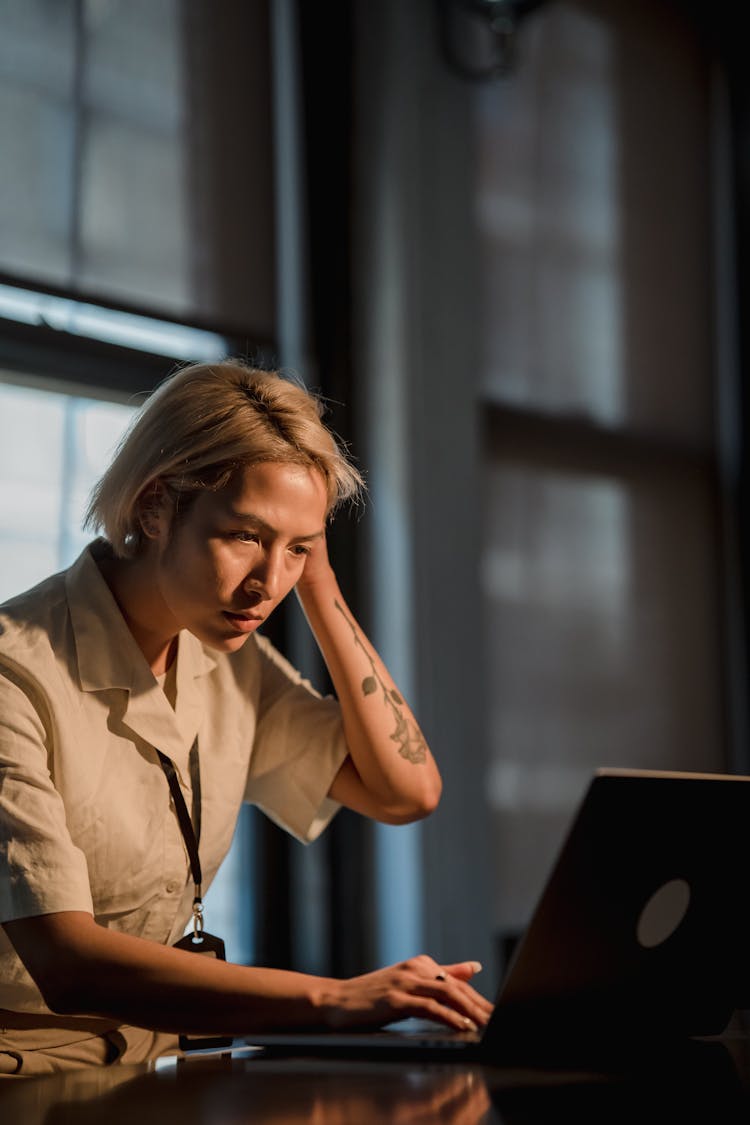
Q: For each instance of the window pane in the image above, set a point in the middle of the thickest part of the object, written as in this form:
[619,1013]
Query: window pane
[36,136]
[602,645]
[133,229]
[53,447]
[593,210]
[137,156]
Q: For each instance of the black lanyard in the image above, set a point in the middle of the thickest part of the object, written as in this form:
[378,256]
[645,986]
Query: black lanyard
[190,827]
[199,941]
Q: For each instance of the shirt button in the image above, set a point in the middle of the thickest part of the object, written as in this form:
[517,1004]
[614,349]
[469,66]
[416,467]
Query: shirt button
[172,886]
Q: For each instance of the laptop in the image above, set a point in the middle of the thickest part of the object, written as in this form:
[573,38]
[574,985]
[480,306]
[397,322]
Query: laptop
[639,937]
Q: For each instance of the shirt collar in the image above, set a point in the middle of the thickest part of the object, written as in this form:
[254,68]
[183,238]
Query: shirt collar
[108,654]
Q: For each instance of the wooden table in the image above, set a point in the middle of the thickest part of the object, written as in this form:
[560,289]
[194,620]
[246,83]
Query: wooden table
[706,1082]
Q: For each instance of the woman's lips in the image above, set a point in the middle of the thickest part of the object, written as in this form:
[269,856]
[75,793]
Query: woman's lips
[243,622]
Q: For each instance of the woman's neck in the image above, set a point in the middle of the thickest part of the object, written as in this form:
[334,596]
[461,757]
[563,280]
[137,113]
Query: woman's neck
[134,588]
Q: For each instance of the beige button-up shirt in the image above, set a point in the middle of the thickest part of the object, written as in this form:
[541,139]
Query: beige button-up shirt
[86,821]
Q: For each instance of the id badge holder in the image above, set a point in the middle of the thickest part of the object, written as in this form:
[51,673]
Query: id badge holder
[208,945]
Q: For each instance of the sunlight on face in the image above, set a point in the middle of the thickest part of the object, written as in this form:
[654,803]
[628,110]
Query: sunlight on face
[226,565]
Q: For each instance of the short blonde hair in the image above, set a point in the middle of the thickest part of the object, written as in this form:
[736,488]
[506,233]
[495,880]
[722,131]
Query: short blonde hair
[199,427]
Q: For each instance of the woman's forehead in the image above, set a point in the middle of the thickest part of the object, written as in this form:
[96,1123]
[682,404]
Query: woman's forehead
[285,490]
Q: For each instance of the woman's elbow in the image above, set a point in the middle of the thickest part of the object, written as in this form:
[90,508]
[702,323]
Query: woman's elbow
[66,992]
[61,999]
[430,799]
[416,808]
[56,952]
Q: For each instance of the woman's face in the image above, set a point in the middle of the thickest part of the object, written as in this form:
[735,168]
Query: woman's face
[223,567]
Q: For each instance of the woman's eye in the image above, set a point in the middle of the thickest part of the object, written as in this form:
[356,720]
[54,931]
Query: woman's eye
[245,536]
[300,549]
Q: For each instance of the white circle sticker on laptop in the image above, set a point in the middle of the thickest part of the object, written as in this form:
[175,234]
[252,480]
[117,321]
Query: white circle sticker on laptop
[663,913]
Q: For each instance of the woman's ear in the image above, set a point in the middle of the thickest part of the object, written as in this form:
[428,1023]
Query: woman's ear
[154,510]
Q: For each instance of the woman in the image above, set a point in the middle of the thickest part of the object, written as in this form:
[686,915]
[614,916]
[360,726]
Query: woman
[139,706]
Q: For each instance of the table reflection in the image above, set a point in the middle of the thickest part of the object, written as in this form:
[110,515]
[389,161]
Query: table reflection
[231,1091]
[701,1084]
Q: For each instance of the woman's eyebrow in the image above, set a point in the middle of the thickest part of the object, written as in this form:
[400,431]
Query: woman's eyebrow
[262,525]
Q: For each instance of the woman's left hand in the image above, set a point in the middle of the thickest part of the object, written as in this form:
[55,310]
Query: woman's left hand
[317,567]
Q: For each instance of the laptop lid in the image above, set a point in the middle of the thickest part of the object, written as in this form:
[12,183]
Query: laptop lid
[640,932]
[641,929]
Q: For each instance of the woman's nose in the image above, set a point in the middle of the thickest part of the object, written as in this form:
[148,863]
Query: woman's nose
[265,577]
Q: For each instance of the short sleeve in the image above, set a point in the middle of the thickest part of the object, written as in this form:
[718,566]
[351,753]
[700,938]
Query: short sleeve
[298,750]
[41,870]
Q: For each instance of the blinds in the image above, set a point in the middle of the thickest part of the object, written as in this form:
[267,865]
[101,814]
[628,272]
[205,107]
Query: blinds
[136,156]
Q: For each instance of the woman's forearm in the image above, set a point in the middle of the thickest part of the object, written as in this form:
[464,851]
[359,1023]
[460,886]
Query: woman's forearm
[84,969]
[388,750]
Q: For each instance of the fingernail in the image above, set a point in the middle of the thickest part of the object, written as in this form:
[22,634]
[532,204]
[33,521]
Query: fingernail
[476,966]
[469,1024]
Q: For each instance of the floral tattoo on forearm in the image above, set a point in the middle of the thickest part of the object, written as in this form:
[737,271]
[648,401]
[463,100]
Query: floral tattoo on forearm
[410,742]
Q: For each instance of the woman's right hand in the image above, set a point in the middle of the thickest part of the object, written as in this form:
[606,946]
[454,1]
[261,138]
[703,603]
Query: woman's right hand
[419,987]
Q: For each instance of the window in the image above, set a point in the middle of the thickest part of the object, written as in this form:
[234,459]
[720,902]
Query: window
[602,561]
[136,229]
[54,446]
